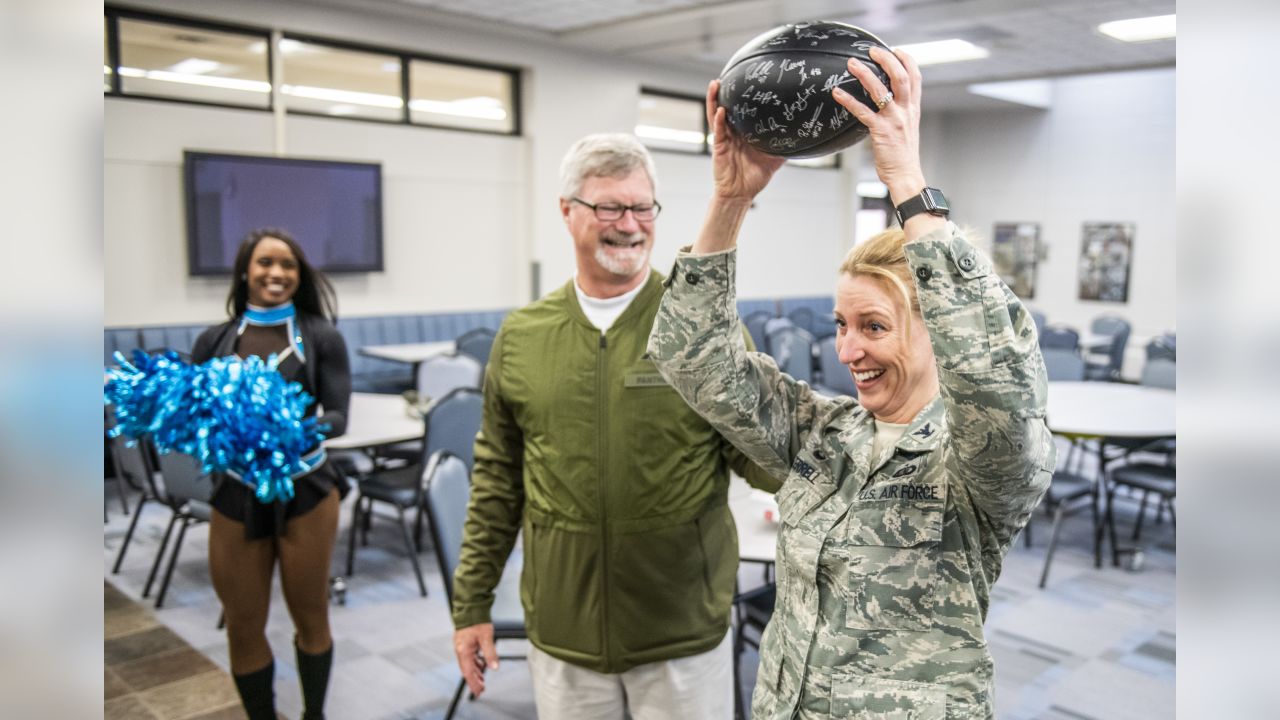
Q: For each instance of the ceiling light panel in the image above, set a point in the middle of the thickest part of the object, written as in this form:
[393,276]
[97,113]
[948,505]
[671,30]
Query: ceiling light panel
[1143,29]
[943,51]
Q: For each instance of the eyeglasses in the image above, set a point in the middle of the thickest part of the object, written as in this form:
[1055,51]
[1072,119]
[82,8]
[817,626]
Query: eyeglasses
[609,212]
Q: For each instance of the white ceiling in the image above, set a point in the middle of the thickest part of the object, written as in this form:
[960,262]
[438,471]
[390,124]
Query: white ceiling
[1026,38]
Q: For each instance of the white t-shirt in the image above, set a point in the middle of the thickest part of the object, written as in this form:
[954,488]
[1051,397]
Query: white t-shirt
[603,313]
[887,435]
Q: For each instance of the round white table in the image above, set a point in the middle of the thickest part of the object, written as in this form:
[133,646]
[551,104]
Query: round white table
[374,420]
[409,353]
[1111,410]
[1116,414]
[755,512]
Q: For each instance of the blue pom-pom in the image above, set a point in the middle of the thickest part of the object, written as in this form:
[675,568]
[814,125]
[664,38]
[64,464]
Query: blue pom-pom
[235,416]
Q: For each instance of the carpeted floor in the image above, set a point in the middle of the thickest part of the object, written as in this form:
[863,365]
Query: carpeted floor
[153,674]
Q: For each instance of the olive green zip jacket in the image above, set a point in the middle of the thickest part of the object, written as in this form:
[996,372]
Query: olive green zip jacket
[630,552]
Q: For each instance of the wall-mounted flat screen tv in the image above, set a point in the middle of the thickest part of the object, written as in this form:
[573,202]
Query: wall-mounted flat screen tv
[333,209]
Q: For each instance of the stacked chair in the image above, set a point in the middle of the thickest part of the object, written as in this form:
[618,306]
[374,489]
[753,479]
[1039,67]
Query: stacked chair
[755,323]
[187,493]
[476,344]
[451,424]
[792,347]
[1106,359]
[447,490]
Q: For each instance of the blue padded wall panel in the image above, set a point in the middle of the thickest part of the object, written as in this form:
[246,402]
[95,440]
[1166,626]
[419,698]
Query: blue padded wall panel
[746,306]
[124,340]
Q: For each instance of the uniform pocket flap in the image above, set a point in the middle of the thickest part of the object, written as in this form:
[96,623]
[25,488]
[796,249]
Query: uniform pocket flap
[795,499]
[862,697]
[895,524]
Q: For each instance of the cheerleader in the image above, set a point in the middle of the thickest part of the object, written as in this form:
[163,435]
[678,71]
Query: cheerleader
[279,304]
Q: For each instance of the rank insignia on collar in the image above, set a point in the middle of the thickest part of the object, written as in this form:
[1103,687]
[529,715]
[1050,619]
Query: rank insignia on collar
[925,431]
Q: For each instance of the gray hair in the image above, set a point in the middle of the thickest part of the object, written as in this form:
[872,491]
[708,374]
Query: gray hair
[611,155]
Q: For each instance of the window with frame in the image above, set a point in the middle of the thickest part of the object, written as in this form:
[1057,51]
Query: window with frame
[156,56]
[323,79]
[461,96]
[188,62]
[670,121]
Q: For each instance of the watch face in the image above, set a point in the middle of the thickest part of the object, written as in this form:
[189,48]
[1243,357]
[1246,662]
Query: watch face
[936,199]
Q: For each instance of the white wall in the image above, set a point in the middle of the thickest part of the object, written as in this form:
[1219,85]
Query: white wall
[464,213]
[1103,152]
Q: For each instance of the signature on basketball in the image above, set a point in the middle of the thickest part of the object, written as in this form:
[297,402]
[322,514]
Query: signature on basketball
[797,65]
[838,120]
[766,96]
[800,103]
[759,71]
[813,126]
[768,125]
[834,80]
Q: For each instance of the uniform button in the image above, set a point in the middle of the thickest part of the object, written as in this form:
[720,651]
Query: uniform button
[692,278]
[966,263]
[924,273]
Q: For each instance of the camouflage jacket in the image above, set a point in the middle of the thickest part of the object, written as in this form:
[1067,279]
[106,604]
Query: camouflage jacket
[884,571]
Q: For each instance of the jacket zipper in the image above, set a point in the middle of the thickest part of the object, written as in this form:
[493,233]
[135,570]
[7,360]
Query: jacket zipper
[602,447]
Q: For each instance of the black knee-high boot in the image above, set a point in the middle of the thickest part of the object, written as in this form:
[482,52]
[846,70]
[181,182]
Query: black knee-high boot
[313,673]
[256,693]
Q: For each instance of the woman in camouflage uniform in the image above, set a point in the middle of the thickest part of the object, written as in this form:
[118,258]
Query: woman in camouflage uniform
[898,507]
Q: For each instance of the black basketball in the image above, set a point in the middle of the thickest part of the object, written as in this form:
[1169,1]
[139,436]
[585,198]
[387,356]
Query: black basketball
[776,90]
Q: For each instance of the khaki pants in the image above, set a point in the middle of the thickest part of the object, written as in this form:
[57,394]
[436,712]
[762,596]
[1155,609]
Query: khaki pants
[698,686]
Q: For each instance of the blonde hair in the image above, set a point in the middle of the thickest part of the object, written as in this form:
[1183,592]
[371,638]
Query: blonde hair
[883,257]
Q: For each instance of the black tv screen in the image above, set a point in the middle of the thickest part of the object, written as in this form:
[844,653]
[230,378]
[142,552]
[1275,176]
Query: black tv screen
[333,209]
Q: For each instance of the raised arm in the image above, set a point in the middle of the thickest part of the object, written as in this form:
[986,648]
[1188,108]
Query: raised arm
[990,371]
[740,173]
[991,376]
[697,341]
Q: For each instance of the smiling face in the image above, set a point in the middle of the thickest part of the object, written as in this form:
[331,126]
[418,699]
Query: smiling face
[894,369]
[272,273]
[612,255]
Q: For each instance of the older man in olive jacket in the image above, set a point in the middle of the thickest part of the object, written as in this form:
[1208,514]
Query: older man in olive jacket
[630,551]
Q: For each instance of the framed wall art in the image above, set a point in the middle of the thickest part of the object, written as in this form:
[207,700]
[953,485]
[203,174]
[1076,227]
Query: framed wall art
[1015,250]
[1105,252]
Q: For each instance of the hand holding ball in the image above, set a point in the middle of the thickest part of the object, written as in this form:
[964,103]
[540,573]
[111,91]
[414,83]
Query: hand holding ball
[776,90]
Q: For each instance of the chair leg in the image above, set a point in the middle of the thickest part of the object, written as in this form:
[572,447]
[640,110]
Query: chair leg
[155,566]
[417,528]
[1053,542]
[128,535]
[1142,510]
[1094,502]
[457,696]
[1111,526]
[413,554]
[367,523]
[351,537]
[737,669]
[173,561]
